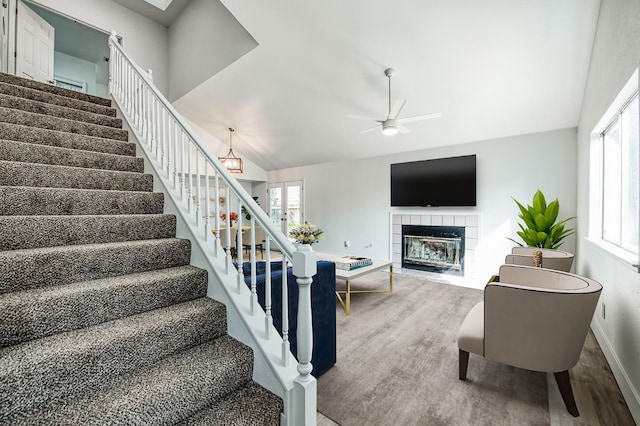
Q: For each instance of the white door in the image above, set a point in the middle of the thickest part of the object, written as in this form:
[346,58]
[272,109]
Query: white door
[4,35]
[34,46]
[286,204]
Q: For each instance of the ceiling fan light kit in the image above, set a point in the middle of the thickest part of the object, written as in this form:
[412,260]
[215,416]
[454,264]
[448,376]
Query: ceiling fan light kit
[392,124]
[389,127]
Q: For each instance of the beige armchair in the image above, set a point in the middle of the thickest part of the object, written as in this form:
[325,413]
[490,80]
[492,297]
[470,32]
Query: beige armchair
[534,318]
[551,259]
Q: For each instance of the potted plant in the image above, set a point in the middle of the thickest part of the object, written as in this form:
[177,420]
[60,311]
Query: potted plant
[540,228]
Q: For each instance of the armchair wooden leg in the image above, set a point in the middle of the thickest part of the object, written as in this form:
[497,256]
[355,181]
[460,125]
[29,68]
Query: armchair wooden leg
[564,384]
[464,362]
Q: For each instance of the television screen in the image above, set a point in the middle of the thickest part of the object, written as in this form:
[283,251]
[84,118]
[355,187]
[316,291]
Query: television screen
[447,182]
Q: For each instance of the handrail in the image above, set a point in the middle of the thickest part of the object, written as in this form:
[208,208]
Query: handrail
[182,161]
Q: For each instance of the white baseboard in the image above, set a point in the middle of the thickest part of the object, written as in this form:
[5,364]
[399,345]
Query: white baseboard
[629,392]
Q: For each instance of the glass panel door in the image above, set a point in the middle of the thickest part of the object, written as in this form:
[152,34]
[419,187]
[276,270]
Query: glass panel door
[274,195]
[286,204]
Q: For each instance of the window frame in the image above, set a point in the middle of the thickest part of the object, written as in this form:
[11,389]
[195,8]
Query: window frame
[613,116]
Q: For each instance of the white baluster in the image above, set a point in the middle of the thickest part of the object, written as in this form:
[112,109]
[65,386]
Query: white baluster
[170,146]
[183,182]
[207,205]
[268,321]
[198,185]
[239,248]
[228,231]
[285,314]
[175,155]
[189,175]
[254,294]
[217,212]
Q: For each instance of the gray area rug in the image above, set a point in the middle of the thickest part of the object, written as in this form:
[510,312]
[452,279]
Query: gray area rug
[398,363]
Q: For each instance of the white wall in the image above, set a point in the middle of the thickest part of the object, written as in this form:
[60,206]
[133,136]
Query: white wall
[615,56]
[75,69]
[204,39]
[146,41]
[350,200]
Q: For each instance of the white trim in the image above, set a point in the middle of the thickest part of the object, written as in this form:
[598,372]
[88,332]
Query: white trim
[625,257]
[629,392]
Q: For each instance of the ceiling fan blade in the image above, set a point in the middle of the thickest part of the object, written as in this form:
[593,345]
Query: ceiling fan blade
[370,129]
[359,117]
[420,117]
[402,129]
[397,107]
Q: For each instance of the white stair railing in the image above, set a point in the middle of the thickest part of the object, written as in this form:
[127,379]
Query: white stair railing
[189,171]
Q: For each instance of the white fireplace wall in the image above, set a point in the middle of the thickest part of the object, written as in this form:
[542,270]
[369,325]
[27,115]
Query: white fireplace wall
[350,200]
[470,223]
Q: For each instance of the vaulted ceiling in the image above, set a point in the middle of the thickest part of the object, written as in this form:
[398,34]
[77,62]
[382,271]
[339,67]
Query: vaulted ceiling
[493,68]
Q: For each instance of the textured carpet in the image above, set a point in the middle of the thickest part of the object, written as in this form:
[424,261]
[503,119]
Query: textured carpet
[398,363]
[102,319]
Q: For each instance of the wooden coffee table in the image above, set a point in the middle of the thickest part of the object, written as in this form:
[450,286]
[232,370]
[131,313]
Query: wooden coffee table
[347,276]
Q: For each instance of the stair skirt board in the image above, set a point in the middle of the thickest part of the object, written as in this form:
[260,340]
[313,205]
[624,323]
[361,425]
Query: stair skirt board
[102,317]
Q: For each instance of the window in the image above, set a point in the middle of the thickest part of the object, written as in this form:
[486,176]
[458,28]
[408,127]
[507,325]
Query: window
[615,175]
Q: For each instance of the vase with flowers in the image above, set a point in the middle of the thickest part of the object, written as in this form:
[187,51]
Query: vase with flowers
[306,233]
[233,217]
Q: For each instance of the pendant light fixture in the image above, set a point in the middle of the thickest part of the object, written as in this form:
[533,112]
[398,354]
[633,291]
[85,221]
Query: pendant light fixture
[230,161]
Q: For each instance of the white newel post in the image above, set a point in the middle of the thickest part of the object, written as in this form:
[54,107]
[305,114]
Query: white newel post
[304,386]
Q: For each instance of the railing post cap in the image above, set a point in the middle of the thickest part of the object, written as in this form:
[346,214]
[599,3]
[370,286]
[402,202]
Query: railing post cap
[304,261]
[113,33]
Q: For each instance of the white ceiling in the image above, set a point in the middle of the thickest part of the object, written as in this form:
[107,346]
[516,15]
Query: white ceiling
[493,68]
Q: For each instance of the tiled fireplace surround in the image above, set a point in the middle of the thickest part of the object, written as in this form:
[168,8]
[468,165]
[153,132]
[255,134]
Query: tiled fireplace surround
[469,222]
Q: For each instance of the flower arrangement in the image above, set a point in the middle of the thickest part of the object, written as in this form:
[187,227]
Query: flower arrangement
[307,233]
[233,217]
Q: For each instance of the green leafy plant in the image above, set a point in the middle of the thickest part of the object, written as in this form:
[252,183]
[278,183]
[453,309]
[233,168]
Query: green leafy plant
[540,228]
[245,212]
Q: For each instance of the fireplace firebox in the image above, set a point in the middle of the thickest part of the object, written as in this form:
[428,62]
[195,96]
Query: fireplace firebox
[433,248]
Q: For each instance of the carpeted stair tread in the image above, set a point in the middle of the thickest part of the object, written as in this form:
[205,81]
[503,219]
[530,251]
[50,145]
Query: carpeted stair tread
[35,135]
[28,232]
[38,107]
[14,173]
[48,88]
[163,394]
[51,266]
[41,154]
[102,318]
[251,405]
[37,95]
[10,115]
[26,200]
[52,368]
[37,313]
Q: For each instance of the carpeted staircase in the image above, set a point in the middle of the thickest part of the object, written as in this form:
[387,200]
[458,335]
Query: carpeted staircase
[102,319]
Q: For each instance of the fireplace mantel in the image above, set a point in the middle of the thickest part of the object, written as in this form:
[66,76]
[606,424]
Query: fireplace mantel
[469,222]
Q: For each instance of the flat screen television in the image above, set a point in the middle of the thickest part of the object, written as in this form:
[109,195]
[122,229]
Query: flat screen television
[441,182]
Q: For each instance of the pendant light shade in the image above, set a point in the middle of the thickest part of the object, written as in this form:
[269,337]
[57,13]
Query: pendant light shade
[230,161]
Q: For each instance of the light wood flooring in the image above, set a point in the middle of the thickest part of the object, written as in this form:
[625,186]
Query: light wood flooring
[597,394]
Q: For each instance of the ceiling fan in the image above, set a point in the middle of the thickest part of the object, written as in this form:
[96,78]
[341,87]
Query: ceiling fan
[392,124]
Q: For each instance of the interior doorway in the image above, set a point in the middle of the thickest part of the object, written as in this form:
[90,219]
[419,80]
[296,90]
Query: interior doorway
[80,59]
